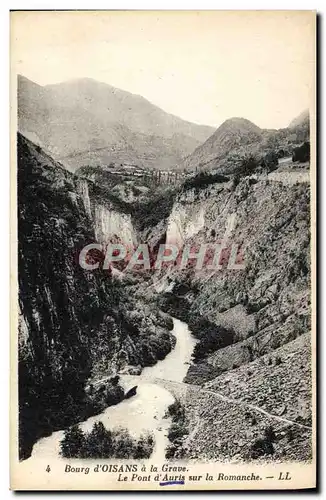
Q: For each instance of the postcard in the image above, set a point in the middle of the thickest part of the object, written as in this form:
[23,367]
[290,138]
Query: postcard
[163,244]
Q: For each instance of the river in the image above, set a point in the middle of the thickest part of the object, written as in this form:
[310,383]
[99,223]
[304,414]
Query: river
[143,412]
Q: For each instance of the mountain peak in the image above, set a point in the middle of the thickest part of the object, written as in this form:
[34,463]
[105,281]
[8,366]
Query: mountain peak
[239,124]
[233,134]
[87,122]
[79,81]
[24,81]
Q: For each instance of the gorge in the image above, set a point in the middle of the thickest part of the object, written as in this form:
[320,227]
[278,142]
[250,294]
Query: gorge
[250,327]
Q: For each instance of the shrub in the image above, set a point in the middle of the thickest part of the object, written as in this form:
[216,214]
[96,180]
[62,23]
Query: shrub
[302,153]
[124,445]
[171,451]
[248,165]
[73,443]
[270,434]
[263,446]
[105,395]
[114,395]
[253,307]
[204,179]
[290,435]
[260,448]
[144,447]
[235,181]
[176,431]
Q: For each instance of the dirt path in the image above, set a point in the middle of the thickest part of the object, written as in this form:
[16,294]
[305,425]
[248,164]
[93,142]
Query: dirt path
[170,385]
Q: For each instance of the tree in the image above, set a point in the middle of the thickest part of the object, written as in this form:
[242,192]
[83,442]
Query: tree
[72,445]
[124,445]
[99,443]
[302,153]
[144,447]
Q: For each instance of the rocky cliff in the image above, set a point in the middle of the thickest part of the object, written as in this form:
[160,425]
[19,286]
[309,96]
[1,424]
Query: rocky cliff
[248,321]
[270,223]
[75,326]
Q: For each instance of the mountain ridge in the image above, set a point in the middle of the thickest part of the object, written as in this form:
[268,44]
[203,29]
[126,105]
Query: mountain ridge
[301,119]
[84,115]
[237,137]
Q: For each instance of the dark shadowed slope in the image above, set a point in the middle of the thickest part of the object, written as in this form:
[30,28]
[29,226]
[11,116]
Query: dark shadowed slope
[73,324]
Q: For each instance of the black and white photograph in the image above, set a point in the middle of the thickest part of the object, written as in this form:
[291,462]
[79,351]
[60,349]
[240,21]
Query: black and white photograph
[163,192]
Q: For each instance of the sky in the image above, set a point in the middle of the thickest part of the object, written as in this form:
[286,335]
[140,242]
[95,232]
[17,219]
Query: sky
[203,66]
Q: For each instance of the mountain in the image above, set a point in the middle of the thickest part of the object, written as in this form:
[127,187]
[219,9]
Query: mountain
[85,122]
[301,119]
[238,137]
[252,324]
[233,133]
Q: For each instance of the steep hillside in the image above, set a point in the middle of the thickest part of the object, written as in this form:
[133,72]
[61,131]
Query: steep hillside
[247,392]
[260,412]
[268,299]
[74,326]
[85,122]
[249,322]
[237,138]
[233,133]
[301,119]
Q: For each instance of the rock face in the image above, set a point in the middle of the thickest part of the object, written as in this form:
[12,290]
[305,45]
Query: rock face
[184,224]
[85,122]
[111,225]
[56,297]
[74,325]
[270,222]
[265,307]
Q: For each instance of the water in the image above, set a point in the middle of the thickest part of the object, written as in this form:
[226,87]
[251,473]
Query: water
[143,412]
